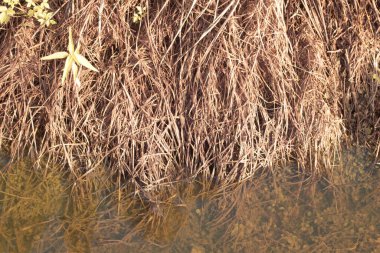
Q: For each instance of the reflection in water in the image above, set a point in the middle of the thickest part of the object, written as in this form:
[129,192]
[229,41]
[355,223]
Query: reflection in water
[29,203]
[41,211]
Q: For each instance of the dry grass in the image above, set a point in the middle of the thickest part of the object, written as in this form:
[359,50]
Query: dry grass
[212,88]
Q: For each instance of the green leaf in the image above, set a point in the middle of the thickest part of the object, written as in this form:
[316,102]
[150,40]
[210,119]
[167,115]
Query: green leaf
[75,71]
[11,12]
[376,78]
[59,55]
[136,18]
[83,61]
[68,66]
[4,18]
[30,13]
[70,48]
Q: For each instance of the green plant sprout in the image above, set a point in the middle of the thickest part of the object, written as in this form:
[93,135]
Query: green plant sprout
[73,59]
[5,14]
[11,3]
[140,12]
[31,8]
[39,12]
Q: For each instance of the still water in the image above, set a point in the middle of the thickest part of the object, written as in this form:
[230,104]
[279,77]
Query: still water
[46,211]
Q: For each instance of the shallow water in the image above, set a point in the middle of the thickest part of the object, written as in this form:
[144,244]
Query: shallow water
[44,211]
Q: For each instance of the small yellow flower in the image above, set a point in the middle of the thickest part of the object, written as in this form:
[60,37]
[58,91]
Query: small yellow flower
[73,57]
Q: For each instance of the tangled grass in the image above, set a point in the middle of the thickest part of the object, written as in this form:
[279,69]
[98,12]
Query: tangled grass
[211,88]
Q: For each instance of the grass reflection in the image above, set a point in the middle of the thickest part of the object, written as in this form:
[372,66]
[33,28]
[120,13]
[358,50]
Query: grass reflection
[46,211]
[30,200]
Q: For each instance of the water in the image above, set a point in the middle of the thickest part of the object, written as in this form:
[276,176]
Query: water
[47,211]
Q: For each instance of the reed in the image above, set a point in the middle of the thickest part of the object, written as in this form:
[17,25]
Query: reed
[216,89]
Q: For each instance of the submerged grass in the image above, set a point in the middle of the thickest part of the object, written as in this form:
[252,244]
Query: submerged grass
[195,88]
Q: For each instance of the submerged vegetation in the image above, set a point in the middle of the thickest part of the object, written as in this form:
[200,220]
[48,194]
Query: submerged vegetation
[217,89]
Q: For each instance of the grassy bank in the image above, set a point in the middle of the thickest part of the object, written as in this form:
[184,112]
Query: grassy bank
[211,88]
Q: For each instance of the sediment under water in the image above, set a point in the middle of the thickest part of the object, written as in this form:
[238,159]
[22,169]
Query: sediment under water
[45,211]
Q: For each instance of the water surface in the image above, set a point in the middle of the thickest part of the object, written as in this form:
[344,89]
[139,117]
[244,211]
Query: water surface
[46,211]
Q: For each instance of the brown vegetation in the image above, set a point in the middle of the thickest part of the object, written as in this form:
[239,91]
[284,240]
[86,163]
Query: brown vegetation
[212,88]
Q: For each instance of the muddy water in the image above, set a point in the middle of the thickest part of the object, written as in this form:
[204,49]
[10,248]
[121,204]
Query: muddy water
[46,211]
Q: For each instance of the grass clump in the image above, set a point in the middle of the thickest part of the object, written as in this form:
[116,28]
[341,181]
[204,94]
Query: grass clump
[211,88]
